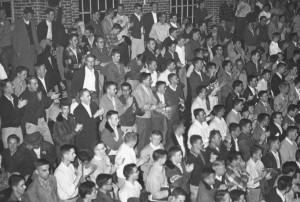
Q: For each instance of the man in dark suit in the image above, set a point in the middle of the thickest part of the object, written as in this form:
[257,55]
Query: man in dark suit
[47,29]
[272,159]
[87,113]
[171,38]
[88,39]
[289,118]
[294,61]
[235,131]
[237,87]
[293,46]
[245,139]
[278,78]
[275,126]
[250,93]
[277,194]
[198,77]
[44,82]
[150,18]
[214,148]
[253,66]
[87,78]
[178,138]
[263,121]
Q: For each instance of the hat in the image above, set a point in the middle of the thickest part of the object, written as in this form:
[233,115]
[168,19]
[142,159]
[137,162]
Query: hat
[33,139]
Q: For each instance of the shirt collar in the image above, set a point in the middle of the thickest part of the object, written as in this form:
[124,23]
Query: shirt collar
[289,141]
[87,69]
[26,21]
[48,22]
[154,147]
[280,195]
[174,89]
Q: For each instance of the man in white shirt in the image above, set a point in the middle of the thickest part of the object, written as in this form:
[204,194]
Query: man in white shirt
[47,29]
[131,187]
[160,30]
[199,127]
[171,67]
[152,66]
[200,101]
[288,146]
[122,20]
[284,187]
[262,84]
[274,48]
[67,178]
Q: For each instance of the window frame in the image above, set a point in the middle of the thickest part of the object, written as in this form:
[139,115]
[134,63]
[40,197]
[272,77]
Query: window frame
[184,4]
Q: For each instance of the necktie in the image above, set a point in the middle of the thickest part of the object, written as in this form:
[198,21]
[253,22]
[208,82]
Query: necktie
[202,158]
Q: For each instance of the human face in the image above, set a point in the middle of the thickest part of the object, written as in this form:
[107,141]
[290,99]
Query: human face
[199,65]
[43,172]
[65,110]
[28,16]
[172,48]
[112,90]
[13,145]
[135,174]
[179,198]
[138,10]
[174,19]
[247,128]
[92,195]
[153,66]
[50,16]
[220,170]
[265,97]
[181,42]
[177,157]
[181,129]
[20,188]
[201,116]
[210,179]
[2,15]
[253,83]
[90,62]
[100,150]
[116,57]
[276,145]
[108,186]
[217,140]
[203,94]
[33,85]
[175,80]
[198,145]
[237,132]
[278,119]
[293,135]
[267,76]
[100,43]
[73,42]
[22,75]
[86,98]
[96,16]
[250,26]
[70,156]
[163,18]
[9,88]
[147,82]
[114,120]
[228,68]
[258,155]
[239,107]
[155,139]
[196,36]
[41,71]
[151,45]
[154,8]
[126,91]
[120,10]
[162,89]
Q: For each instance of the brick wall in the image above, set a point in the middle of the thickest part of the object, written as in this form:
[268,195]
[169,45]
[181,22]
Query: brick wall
[163,5]
[213,7]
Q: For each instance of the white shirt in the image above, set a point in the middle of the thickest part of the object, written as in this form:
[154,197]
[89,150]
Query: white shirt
[65,177]
[89,79]
[236,144]
[298,92]
[11,99]
[181,54]
[289,141]
[219,124]
[173,24]
[201,129]
[262,85]
[129,156]
[37,152]
[164,76]
[279,127]
[75,52]
[154,15]
[3,74]
[161,97]
[280,195]
[87,108]
[26,22]
[43,82]
[252,90]
[274,48]
[130,190]
[199,103]
[254,169]
[276,155]
[181,144]
[49,32]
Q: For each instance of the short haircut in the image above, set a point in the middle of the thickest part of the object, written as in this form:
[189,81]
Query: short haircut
[290,129]
[194,31]
[262,116]
[176,125]
[84,156]
[159,154]
[284,182]
[110,113]
[13,136]
[94,145]
[128,170]
[274,115]
[210,65]
[196,60]
[108,84]
[213,133]
[254,52]
[86,188]
[14,180]
[292,107]
[125,84]
[261,93]
[144,76]
[130,137]
[157,133]
[71,36]
[218,163]
[82,91]
[254,149]
[161,14]
[137,5]
[66,148]
[95,11]
[172,29]
[90,56]
[233,127]
[273,139]
[153,3]
[275,34]
[206,172]
[236,194]
[41,162]
[178,191]
[236,83]
[121,5]
[173,150]
[194,139]
[109,11]
[20,69]
[266,71]
[200,89]
[225,63]
[115,51]
[219,195]
[30,78]
[236,102]
[117,26]
[250,78]
[171,76]
[197,111]
[244,122]
[262,18]
[90,28]
[233,156]
[102,179]
[49,10]
[281,65]
[289,167]
[28,10]
[217,108]
[159,83]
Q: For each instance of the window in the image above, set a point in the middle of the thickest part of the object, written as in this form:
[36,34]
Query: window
[9,7]
[86,7]
[183,8]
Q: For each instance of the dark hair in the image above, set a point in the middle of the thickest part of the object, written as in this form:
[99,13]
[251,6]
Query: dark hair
[289,167]
[86,188]
[236,83]
[13,136]
[217,109]
[82,91]
[90,28]
[197,111]
[225,63]
[206,172]
[236,194]
[137,5]
[66,148]
[153,3]
[173,150]
[117,26]
[244,122]
[196,60]
[200,89]
[250,78]
[128,170]
[48,11]
[262,116]
[272,140]
[233,155]
[125,84]
[130,136]
[110,113]
[108,84]
[290,129]
[274,115]
[219,195]
[144,76]
[261,93]
[14,180]
[41,162]
[254,149]
[172,29]
[158,154]
[170,76]
[28,10]
[115,51]
[233,127]
[236,102]
[102,179]
[178,191]
[84,156]
[213,133]
[292,107]
[284,182]
[159,83]
[156,132]
[20,69]
[195,138]
[71,36]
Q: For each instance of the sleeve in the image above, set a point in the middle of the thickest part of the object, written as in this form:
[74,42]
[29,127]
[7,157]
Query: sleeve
[59,136]
[154,187]
[250,182]
[245,149]
[284,154]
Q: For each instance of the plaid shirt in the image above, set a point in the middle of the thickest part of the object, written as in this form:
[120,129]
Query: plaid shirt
[97,26]
[237,177]
[111,39]
[226,12]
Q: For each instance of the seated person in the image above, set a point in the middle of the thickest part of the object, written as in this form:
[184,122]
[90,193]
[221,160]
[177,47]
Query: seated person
[87,192]
[17,184]
[206,192]
[177,195]
[237,195]
[222,196]
[105,186]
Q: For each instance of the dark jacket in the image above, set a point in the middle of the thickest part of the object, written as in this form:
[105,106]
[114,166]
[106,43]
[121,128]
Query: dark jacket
[62,31]
[273,196]
[269,161]
[205,192]
[245,142]
[47,152]
[229,100]
[136,28]
[247,92]
[195,81]
[48,84]
[42,30]
[10,114]
[274,131]
[251,69]
[275,82]
[199,164]
[148,22]
[107,136]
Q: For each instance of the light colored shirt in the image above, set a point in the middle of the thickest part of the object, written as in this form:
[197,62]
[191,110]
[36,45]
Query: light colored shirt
[235,140]
[219,124]
[276,155]
[129,156]
[87,108]
[154,15]
[181,54]
[181,144]
[201,129]
[242,9]
[199,103]
[262,85]
[122,20]
[164,76]
[159,31]
[49,32]
[254,169]
[65,177]
[89,79]
[42,80]
[280,195]
[161,97]
[37,152]
[103,166]
[274,48]
[130,190]
[3,74]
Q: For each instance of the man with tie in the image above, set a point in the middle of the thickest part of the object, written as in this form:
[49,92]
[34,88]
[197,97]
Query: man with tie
[275,126]
[263,105]
[288,146]
[250,93]
[253,67]
[235,131]
[236,93]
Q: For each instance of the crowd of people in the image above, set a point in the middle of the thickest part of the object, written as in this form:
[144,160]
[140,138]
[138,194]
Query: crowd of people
[146,108]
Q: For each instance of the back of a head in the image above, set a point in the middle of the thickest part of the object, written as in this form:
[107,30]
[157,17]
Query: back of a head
[86,188]
[14,180]
[236,194]
[102,179]
[284,182]
[206,172]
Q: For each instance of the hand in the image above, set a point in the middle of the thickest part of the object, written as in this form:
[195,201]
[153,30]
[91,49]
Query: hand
[175,177]
[62,85]
[223,187]
[160,105]
[22,103]
[78,127]
[146,106]
[133,108]
[55,96]
[190,167]
[250,97]
[99,112]
[213,157]
[129,101]
[120,161]
[50,93]
[127,69]
[263,174]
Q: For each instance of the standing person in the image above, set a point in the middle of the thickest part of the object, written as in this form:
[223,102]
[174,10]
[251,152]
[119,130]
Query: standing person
[67,178]
[25,40]
[107,22]
[253,66]
[160,30]
[8,57]
[122,20]
[226,12]
[288,146]
[44,185]
[10,112]
[47,29]
[19,81]
[150,18]
[137,31]
[95,22]
[87,114]
[200,13]
[242,10]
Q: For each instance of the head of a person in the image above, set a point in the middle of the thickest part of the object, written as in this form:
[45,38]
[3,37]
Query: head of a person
[209,41]
[263,119]
[33,140]
[255,55]
[274,143]
[126,89]
[67,152]
[116,29]
[222,196]
[276,37]
[246,126]
[116,55]
[266,75]
[112,118]
[208,176]
[256,152]
[41,70]
[196,142]
[100,42]
[171,65]
[161,87]
[199,115]
[49,14]
[173,17]
[234,158]
[237,86]
[252,80]
[42,168]
[7,87]
[219,167]
[99,149]
[173,79]
[64,106]
[198,63]
[111,88]
[73,40]
[235,130]
[211,67]
[284,88]
[218,111]
[153,6]
[292,110]
[17,184]
[22,72]
[162,17]
[109,13]
[87,190]
[292,133]
[131,171]
[201,91]
[138,8]
[32,83]
[237,105]
[178,128]
[13,142]
[281,68]
[289,168]
[277,117]
[195,34]
[130,138]
[152,65]
[84,96]
[151,44]
[238,195]
[219,49]
[263,20]
[227,65]
[178,195]
[284,184]
[160,156]
[104,182]
[145,79]
[96,15]
[89,31]
[175,154]
[156,137]
[215,138]
[28,13]
[263,95]
[120,9]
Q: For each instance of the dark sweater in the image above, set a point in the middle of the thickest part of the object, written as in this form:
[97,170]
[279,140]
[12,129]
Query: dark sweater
[10,114]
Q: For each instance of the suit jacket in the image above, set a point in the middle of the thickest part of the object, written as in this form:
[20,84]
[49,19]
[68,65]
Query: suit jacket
[274,130]
[107,136]
[287,119]
[275,82]
[247,92]
[78,81]
[287,151]
[269,161]
[10,114]
[174,142]
[205,193]
[250,68]
[101,197]
[232,117]
[42,30]
[148,21]
[199,164]
[293,92]
[260,108]
[221,154]
[245,142]
[229,100]
[87,47]
[195,81]
[227,88]
[290,50]
[70,60]
[47,152]
[113,74]
[137,25]
[257,132]
[89,133]
[48,84]
[273,196]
